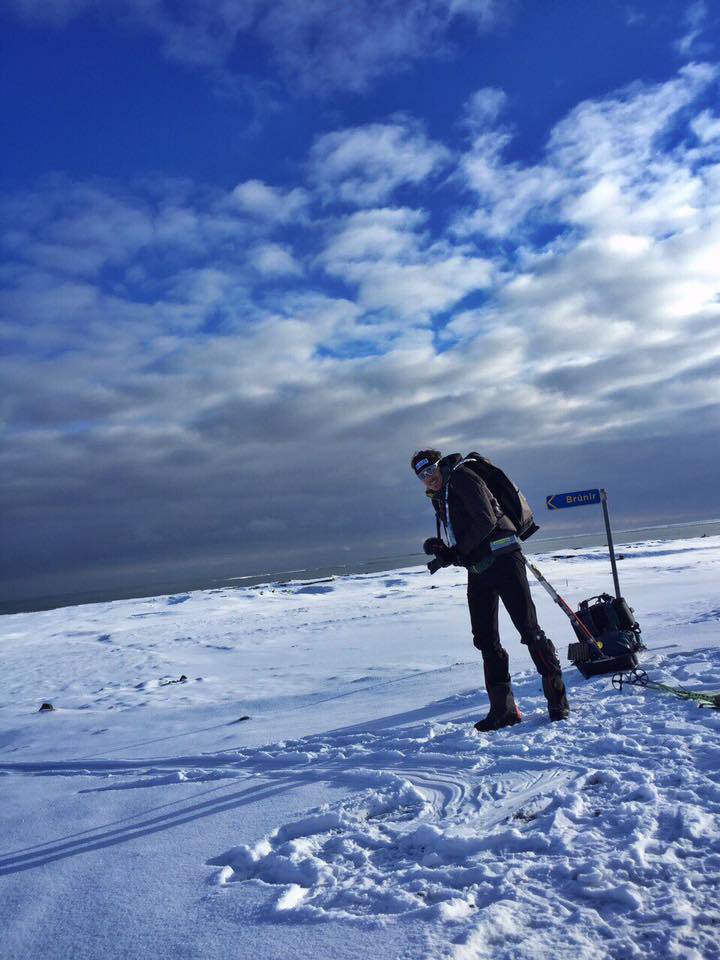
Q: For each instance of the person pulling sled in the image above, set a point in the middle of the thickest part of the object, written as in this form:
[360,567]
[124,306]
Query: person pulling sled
[484,517]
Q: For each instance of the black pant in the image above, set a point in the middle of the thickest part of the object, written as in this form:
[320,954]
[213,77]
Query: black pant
[507,580]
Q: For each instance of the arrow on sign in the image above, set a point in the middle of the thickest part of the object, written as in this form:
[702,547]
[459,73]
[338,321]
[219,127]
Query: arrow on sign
[578,498]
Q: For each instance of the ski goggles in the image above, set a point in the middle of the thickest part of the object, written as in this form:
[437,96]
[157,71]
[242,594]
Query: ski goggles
[424,469]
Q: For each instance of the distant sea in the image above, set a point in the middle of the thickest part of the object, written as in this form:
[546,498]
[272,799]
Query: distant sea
[153,588]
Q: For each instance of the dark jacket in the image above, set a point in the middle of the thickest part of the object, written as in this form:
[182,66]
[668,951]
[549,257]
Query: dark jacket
[475,515]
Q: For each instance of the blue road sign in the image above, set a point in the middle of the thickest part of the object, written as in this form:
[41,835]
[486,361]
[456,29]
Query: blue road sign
[579,498]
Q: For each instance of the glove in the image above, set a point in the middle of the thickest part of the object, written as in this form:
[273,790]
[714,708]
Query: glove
[434,546]
[444,556]
[448,556]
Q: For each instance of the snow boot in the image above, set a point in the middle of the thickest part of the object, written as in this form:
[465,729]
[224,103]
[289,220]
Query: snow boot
[554,690]
[503,709]
[545,658]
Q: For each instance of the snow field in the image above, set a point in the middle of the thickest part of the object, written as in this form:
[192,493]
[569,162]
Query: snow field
[598,837]
[584,850]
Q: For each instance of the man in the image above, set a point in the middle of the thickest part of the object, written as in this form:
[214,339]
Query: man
[473,521]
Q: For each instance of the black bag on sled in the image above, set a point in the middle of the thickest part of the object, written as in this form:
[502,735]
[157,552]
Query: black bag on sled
[612,623]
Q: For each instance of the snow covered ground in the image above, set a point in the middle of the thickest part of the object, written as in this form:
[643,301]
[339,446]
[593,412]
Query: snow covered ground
[355,812]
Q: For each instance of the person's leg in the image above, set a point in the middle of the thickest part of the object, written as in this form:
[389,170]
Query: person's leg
[483,607]
[514,591]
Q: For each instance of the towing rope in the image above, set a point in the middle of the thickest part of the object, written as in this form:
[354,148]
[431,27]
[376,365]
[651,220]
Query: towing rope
[638,678]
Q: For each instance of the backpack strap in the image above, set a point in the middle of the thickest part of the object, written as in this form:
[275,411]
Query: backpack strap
[448,525]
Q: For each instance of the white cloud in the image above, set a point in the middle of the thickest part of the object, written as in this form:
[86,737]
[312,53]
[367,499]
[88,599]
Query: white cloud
[634,17]
[388,256]
[622,308]
[374,234]
[274,260]
[363,165]
[706,127]
[200,289]
[483,108]
[603,157]
[690,43]
[417,290]
[80,228]
[269,203]
[317,47]
[506,193]
[75,228]
[601,135]
[484,12]
[328,45]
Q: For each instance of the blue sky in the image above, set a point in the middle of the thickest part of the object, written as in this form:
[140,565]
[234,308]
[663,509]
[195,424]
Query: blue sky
[254,254]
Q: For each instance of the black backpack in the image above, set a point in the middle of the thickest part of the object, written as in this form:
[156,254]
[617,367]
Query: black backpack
[510,498]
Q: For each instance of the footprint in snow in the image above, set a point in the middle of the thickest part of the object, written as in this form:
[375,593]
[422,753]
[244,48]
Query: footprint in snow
[427,835]
[707,616]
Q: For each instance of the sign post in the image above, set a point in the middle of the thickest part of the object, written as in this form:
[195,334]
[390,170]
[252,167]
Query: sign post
[584,498]
[611,545]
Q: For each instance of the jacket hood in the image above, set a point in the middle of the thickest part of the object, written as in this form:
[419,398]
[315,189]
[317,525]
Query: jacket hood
[448,464]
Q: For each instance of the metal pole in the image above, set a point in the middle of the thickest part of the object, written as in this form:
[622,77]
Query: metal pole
[611,546]
[560,602]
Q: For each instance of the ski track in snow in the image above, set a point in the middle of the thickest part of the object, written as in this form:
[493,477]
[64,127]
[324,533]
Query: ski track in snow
[595,838]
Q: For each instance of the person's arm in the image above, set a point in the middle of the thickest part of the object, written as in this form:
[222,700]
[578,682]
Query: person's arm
[474,497]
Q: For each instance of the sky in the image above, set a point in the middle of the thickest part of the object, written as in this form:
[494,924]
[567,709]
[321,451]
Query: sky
[255,254]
